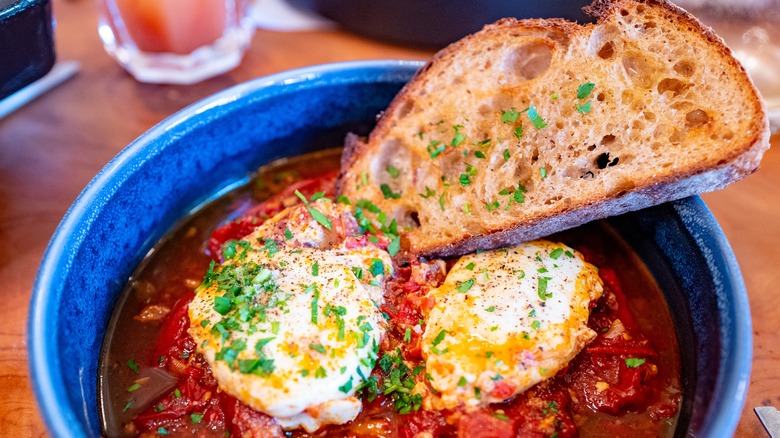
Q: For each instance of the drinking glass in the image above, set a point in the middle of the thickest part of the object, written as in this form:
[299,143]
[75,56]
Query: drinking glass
[175,41]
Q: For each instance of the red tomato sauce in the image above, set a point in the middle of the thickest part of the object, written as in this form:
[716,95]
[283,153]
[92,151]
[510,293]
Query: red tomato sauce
[618,385]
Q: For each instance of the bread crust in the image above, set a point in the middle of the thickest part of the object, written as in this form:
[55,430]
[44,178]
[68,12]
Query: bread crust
[709,173]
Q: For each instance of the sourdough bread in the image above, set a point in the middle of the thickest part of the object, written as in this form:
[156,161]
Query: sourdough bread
[529,127]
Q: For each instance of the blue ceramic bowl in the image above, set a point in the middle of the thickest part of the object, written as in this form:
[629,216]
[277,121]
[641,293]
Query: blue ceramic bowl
[215,144]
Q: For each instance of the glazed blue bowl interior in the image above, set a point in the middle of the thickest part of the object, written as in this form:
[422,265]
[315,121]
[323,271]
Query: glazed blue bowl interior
[216,144]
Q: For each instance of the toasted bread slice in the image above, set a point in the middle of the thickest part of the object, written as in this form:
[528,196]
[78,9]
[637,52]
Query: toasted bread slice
[533,126]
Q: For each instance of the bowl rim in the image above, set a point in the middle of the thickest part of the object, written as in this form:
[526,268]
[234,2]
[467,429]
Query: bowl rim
[47,382]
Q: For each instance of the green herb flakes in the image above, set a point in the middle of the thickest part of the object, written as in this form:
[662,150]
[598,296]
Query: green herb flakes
[633,362]
[465,286]
[585,89]
[535,118]
[542,288]
[392,171]
[388,193]
[583,109]
[510,116]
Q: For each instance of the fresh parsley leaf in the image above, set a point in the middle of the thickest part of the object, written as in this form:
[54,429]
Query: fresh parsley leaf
[585,89]
[465,286]
[388,192]
[535,118]
[392,171]
[583,109]
[634,362]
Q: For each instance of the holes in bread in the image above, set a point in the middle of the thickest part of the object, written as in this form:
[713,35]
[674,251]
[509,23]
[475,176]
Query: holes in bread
[405,108]
[607,50]
[495,104]
[677,137]
[393,154]
[600,97]
[535,156]
[685,68]
[529,60]
[603,161]
[639,69]
[605,141]
[553,200]
[671,85]
[696,118]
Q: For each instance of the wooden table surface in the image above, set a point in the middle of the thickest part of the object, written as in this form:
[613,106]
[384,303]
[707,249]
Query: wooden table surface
[51,148]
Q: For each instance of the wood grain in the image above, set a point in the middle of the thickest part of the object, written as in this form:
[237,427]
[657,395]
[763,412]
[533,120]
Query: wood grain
[50,149]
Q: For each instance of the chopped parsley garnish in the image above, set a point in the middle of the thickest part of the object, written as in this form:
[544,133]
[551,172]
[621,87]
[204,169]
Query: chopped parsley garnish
[510,116]
[196,417]
[543,172]
[315,269]
[492,206]
[392,171]
[583,109]
[133,387]
[465,286]
[316,196]
[464,179]
[556,253]
[536,324]
[435,147]
[467,208]
[479,154]
[440,337]
[177,393]
[506,155]
[470,266]
[542,291]
[345,388]
[342,200]
[634,362]
[315,214]
[408,335]
[318,348]
[441,201]
[394,246]
[377,267]
[535,118]
[501,416]
[222,305]
[518,132]
[458,137]
[128,405]
[585,89]
[399,383]
[358,272]
[387,192]
[288,234]
[162,431]
[320,373]
[133,365]
[315,305]
[428,193]
[491,309]
[462,381]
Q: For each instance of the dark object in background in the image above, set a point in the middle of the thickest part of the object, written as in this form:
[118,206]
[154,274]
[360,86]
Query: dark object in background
[433,24]
[26,43]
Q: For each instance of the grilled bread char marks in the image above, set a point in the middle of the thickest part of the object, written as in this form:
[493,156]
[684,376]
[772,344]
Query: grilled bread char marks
[671,113]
